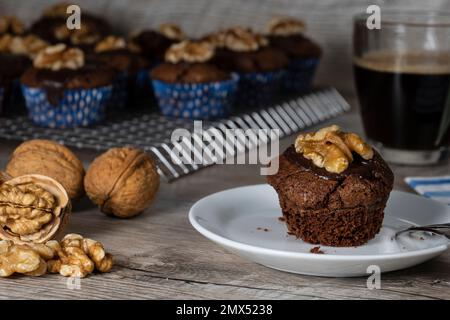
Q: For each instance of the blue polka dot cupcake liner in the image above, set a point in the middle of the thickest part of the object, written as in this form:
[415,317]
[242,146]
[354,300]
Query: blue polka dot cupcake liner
[300,74]
[258,89]
[76,108]
[204,101]
[119,94]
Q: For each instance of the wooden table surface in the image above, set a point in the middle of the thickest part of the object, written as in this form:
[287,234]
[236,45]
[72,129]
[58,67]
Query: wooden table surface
[158,255]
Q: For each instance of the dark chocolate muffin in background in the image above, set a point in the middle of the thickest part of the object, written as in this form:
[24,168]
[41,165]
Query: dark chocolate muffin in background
[16,54]
[188,85]
[62,90]
[153,44]
[287,34]
[113,52]
[332,188]
[52,27]
[260,66]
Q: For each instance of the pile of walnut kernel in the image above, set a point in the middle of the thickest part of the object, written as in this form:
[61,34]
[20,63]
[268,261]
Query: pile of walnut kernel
[73,256]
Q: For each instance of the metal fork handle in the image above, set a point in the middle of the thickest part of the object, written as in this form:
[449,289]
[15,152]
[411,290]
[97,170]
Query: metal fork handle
[440,229]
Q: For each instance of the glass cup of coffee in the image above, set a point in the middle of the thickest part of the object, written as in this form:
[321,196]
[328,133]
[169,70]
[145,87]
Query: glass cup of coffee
[402,78]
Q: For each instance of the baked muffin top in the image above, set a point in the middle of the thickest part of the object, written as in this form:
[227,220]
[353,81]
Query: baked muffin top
[62,67]
[264,59]
[51,26]
[242,50]
[113,52]
[153,44]
[188,62]
[287,34]
[188,73]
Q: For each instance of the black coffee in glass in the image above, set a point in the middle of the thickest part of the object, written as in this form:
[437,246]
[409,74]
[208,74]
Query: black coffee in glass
[402,78]
[402,98]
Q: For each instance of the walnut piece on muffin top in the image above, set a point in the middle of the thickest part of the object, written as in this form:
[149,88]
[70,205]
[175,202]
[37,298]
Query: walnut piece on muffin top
[285,26]
[244,40]
[11,24]
[110,43]
[28,45]
[189,51]
[172,31]
[331,148]
[59,57]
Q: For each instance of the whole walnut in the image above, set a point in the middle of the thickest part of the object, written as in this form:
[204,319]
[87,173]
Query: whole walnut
[50,159]
[122,181]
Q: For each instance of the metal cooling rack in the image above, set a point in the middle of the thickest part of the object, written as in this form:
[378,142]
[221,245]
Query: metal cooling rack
[152,132]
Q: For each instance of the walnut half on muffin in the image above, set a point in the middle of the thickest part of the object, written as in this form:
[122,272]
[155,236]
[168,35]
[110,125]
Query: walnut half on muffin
[332,188]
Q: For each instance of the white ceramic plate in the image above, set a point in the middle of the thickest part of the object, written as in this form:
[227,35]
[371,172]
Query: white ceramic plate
[245,221]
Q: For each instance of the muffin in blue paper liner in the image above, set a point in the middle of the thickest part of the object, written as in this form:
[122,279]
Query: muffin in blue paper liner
[187,85]
[259,88]
[76,108]
[260,66]
[61,90]
[300,74]
[286,34]
[206,101]
[131,71]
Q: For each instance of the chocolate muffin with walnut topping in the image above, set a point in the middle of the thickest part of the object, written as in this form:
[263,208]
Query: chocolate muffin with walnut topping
[153,44]
[187,85]
[61,90]
[113,52]
[16,54]
[52,27]
[332,188]
[287,34]
[260,66]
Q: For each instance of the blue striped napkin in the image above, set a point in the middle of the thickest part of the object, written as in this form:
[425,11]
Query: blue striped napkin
[437,188]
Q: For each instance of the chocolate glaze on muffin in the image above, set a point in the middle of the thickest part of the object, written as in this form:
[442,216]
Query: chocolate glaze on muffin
[241,50]
[188,62]
[153,44]
[55,80]
[189,73]
[264,59]
[332,208]
[113,52]
[287,35]
[52,27]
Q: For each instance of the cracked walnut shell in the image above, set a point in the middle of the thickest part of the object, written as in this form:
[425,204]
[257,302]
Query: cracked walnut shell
[50,159]
[331,148]
[122,181]
[33,209]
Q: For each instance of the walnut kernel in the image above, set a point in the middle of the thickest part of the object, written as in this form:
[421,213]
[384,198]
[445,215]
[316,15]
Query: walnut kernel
[172,31]
[20,259]
[244,39]
[190,52]
[78,256]
[59,57]
[285,26]
[110,43]
[330,148]
[11,25]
